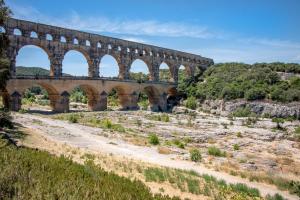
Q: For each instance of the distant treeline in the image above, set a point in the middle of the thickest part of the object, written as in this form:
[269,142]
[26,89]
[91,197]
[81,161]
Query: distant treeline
[259,81]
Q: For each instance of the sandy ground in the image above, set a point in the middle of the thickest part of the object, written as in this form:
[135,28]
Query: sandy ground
[91,139]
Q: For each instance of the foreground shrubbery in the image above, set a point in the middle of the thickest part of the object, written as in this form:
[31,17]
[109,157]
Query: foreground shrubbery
[192,182]
[30,174]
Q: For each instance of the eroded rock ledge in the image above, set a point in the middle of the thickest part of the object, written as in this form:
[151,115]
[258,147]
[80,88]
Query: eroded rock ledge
[267,108]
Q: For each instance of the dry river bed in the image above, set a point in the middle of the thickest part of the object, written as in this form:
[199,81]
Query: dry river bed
[262,149]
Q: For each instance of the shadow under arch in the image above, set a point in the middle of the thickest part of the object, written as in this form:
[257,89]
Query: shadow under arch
[153,95]
[91,94]
[52,95]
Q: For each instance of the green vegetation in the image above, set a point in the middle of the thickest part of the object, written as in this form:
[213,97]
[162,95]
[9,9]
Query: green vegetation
[78,95]
[192,182]
[33,71]
[4,43]
[178,143]
[297,133]
[191,103]
[93,121]
[275,197]
[239,187]
[153,139]
[161,117]
[195,155]
[230,81]
[279,122]
[73,118]
[31,174]
[214,151]
[281,183]
[236,147]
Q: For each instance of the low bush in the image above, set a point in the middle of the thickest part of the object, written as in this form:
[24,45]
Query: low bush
[195,155]
[178,143]
[236,147]
[153,139]
[191,103]
[214,151]
[242,112]
[73,118]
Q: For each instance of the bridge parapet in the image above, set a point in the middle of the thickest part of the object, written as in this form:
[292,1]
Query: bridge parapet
[57,41]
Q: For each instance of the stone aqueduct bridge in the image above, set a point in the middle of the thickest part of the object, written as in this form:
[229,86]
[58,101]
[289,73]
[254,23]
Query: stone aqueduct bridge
[57,41]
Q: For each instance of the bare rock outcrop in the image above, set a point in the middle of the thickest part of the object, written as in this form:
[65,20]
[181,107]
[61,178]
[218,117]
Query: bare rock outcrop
[271,109]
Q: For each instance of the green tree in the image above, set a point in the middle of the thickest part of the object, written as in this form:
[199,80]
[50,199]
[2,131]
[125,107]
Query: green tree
[4,42]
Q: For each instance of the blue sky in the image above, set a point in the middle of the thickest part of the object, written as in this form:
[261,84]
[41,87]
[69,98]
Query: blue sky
[225,30]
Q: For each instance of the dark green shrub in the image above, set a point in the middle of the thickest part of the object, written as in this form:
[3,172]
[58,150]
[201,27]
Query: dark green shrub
[242,112]
[73,118]
[255,93]
[195,155]
[153,139]
[214,151]
[236,147]
[191,103]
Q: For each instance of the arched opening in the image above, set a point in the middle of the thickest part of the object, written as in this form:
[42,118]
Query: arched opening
[75,41]
[74,64]
[98,45]
[49,37]
[63,39]
[113,100]
[2,29]
[87,43]
[108,67]
[17,32]
[182,72]
[139,71]
[164,72]
[36,98]
[83,97]
[39,97]
[33,34]
[32,61]
[152,95]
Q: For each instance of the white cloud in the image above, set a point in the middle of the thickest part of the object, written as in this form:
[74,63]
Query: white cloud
[270,42]
[135,39]
[104,24]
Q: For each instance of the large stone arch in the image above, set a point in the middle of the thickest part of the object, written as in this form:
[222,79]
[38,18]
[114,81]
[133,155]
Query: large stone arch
[115,57]
[15,96]
[93,96]
[127,95]
[157,98]
[40,46]
[171,68]
[146,62]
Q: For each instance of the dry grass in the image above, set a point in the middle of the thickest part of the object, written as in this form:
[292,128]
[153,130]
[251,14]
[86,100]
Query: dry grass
[164,150]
